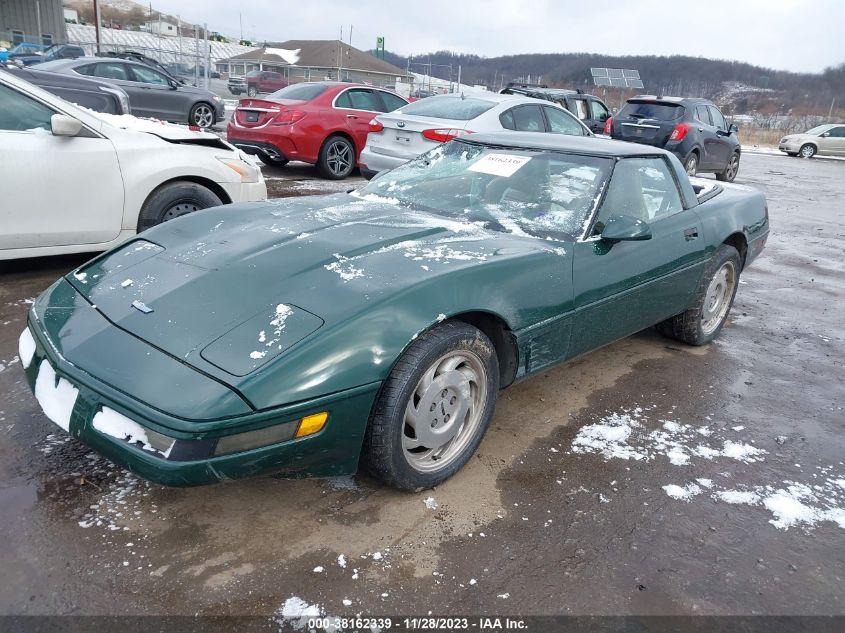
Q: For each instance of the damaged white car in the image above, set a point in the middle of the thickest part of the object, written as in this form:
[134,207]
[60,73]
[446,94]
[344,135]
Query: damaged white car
[74,180]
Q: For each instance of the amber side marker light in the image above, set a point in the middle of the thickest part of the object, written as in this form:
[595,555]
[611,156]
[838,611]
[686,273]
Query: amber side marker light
[311,424]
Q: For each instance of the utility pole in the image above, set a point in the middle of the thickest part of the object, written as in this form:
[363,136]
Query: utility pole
[459,77]
[196,55]
[207,54]
[98,24]
[830,112]
[38,18]
[241,20]
[350,34]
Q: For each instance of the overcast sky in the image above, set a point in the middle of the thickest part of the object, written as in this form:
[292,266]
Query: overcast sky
[799,35]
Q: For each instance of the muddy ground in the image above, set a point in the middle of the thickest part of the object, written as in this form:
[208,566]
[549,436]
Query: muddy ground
[532,525]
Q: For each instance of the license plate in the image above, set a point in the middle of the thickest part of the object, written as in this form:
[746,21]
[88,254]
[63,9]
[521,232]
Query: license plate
[403,138]
[252,117]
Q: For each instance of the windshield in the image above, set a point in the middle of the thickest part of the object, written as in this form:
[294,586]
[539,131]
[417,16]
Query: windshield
[819,129]
[538,193]
[454,108]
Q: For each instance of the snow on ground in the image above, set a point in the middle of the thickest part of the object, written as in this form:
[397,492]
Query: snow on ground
[633,435]
[296,612]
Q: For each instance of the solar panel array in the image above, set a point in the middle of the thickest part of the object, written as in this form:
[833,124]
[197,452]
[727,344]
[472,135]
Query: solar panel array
[616,77]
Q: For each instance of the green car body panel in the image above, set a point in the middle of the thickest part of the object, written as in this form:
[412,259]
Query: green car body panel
[238,319]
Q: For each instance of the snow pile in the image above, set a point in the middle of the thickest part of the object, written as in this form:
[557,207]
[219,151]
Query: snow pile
[295,612]
[625,436]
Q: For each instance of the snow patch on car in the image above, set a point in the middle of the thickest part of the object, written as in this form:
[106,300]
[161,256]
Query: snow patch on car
[26,348]
[344,268]
[56,397]
[111,423]
[277,323]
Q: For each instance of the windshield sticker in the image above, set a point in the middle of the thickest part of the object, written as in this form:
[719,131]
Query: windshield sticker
[499,164]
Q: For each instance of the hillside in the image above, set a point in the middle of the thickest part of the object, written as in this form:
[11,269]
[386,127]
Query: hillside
[738,86]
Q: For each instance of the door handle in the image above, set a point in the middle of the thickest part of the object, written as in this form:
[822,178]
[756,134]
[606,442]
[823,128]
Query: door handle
[690,234]
[351,116]
[701,129]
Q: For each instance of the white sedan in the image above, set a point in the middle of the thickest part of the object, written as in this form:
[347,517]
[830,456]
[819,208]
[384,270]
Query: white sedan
[74,180]
[399,136]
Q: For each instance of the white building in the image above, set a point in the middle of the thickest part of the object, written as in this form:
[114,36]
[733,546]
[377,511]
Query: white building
[160,27]
[71,15]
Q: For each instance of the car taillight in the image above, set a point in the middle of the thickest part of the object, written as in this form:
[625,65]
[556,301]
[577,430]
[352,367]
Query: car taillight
[679,132]
[608,125]
[442,135]
[376,126]
[289,117]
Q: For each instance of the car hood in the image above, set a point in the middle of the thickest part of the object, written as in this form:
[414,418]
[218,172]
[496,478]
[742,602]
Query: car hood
[171,132]
[229,289]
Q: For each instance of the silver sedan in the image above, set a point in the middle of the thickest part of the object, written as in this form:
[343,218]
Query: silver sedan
[398,136]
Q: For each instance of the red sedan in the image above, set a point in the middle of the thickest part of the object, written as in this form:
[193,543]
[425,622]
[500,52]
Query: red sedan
[322,123]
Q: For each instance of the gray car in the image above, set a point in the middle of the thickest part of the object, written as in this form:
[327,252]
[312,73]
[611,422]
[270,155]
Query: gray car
[151,92]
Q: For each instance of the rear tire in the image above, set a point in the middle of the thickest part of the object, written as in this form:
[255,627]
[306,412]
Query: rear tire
[808,150]
[691,164]
[731,170]
[704,319]
[252,91]
[433,409]
[173,200]
[337,158]
[272,161]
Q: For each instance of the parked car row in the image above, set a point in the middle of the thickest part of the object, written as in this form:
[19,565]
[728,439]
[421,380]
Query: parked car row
[146,172]
[338,126]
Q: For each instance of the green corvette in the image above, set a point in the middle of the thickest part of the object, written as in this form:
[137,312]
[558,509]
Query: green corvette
[309,336]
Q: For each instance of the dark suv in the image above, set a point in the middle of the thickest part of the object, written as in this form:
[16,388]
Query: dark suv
[692,129]
[592,111]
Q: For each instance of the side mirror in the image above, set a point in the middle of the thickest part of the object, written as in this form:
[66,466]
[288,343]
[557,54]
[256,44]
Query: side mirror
[732,128]
[64,125]
[173,84]
[826,134]
[604,117]
[625,228]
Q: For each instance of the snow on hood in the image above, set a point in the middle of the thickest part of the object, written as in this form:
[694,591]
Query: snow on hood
[162,129]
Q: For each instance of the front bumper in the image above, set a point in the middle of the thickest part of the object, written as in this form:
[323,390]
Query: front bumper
[246,191]
[191,460]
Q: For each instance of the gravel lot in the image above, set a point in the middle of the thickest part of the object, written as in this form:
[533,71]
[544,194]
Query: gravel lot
[645,478]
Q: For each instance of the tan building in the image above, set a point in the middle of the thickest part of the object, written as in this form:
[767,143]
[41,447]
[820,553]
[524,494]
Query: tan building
[316,60]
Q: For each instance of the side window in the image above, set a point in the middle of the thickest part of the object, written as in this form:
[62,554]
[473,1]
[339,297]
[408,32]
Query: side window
[702,114]
[361,100]
[642,188]
[528,118]
[718,119]
[838,132]
[343,101]
[19,113]
[112,70]
[561,122]
[149,76]
[391,101]
[506,119]
[599,111]
[88,69]
[580,109]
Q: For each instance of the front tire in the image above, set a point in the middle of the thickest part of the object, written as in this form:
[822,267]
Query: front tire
[252,91]
[808,150]
[202,115]
[337,158]
[174,200]
[704,319]
[434,408]
[731,170]
[691,164]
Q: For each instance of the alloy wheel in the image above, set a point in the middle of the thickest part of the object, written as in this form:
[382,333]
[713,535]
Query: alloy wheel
[444,411]
[203,116]
[339,158]
[717,299]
